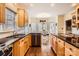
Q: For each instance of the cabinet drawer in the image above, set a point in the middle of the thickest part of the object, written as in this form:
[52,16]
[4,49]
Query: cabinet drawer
[60,41]
[68,52]
[60,49]
[73,49]
[21,40]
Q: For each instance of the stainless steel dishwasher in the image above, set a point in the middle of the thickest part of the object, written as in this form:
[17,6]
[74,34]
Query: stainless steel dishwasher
[36,39]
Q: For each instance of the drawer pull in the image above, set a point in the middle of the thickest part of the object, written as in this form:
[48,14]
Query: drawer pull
[71,49]
[59,41]
[22,40]
[70,55]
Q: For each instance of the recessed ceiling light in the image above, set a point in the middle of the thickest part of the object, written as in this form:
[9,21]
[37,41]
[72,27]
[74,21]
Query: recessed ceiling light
[43,15]
[74,4]
[31,5]
[52,4]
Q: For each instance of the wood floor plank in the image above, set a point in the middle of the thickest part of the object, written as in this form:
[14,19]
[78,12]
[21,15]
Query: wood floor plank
[44,50]
[40,51]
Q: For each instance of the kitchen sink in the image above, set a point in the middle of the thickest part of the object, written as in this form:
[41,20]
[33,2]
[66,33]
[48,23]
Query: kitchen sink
[16,36]
[2,41]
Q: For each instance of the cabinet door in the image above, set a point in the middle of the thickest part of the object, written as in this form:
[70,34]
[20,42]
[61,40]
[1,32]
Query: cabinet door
[30,39]
[74,51]
[21,18]
[54,44]
[77,14]
[22,49]
[26,18]
[2,13]
[26,43]
[68,52]
[60,50]
[60,47]
[16,49]
[61,24]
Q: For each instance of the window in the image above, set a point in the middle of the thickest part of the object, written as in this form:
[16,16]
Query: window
[9,19]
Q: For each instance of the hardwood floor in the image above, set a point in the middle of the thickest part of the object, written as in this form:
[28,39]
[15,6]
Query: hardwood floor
[40,51]
[44,50]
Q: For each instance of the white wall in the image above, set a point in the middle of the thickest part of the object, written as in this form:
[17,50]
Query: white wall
[52,21]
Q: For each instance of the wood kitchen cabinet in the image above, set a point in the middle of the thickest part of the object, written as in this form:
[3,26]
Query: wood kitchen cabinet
[60,24]
[68,50]
[77,16]
[22,15]
[2,13]
[73,19]
[54,44]
[21,18]
[71,50]
[60,47]
[20,47]
[29,37]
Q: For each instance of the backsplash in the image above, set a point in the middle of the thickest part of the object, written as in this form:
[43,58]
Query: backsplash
[1,27]
[75,31]
[6,34]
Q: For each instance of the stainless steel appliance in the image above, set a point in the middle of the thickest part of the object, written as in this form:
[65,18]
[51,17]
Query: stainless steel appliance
[6,51]
[36,39]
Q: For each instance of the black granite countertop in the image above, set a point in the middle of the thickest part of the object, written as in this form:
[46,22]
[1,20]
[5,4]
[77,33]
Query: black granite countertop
[69,39]
[9,40]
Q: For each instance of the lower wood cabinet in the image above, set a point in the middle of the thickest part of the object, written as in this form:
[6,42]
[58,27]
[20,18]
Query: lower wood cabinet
[54,44]
[29,37]
[71,50]
[20,47]
[60,47]
[68,52]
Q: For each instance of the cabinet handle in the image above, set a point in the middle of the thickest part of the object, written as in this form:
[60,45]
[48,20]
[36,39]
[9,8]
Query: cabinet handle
[70,55]
[59,41]
[70,49]
[22,40]
[25,42]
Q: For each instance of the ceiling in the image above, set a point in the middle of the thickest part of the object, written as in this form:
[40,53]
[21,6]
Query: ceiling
[46,8]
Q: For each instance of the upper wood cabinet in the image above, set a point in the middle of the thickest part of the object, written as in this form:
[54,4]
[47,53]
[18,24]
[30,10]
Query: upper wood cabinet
[77,16]
[73,19]
[2,13]
[61,24]
[22,16]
